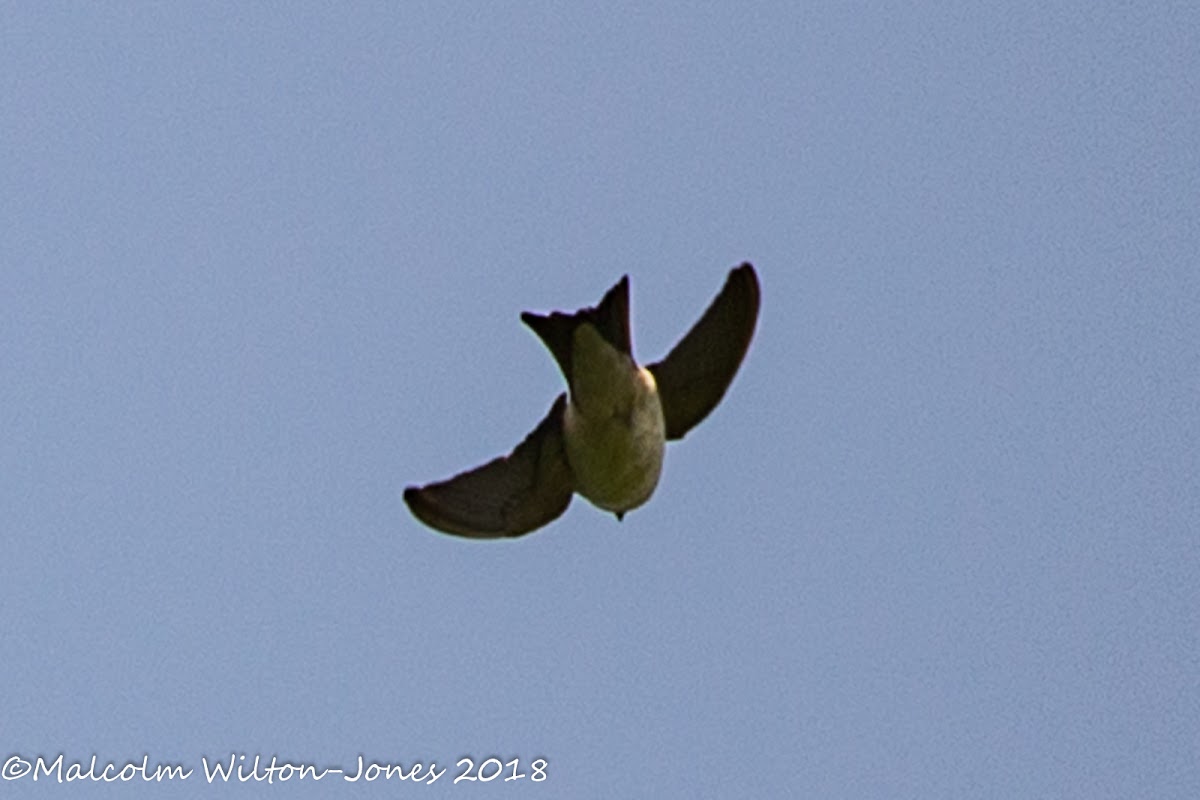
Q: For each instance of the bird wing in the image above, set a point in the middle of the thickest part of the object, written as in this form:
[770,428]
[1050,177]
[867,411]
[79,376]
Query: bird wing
[693,377]
[508,496]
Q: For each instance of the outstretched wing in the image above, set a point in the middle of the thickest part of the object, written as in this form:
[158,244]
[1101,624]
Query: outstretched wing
[693,377]
[508,496]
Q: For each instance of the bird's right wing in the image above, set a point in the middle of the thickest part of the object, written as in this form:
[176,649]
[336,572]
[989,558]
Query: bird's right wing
[508,496]
[693,377]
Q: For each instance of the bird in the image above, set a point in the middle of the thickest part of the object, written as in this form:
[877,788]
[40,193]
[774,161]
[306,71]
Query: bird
[605,436]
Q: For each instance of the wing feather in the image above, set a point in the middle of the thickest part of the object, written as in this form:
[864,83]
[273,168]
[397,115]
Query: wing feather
[693,377]
[508,496]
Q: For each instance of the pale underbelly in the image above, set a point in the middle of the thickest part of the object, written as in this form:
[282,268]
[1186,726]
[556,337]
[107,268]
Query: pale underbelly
[617,461]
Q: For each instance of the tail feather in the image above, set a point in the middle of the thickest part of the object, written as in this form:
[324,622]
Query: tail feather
[610,318]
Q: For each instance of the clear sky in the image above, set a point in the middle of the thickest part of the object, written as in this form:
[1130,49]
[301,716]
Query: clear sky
[261,267]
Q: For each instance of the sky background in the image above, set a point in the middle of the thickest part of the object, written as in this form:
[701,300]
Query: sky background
[261,267]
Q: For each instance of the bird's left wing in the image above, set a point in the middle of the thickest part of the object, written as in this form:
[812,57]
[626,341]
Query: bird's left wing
[693,377]
[508,496]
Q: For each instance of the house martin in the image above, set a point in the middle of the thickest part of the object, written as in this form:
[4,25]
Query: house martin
[604,437]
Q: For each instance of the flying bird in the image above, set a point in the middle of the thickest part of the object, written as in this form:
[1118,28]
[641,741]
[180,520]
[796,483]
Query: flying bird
[605,436]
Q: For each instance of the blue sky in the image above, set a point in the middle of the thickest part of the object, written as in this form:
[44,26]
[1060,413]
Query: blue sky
[261,267]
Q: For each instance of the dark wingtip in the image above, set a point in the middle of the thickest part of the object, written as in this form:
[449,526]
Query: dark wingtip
[417,503]
[746,269]
[620,515]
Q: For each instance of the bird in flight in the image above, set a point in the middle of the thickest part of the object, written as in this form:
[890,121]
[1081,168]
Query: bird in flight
[604,437]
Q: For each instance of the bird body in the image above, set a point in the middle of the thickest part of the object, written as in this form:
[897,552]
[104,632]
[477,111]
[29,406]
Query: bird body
[613,427]
[605,437]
